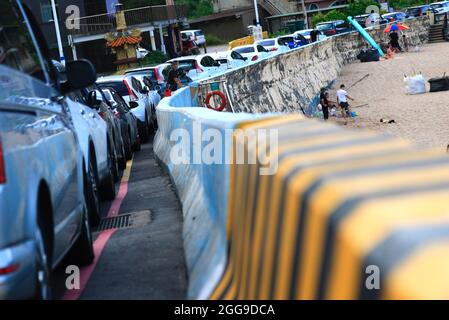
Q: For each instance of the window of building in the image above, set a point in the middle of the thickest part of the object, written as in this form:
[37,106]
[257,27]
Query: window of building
[313,6]
[46,11]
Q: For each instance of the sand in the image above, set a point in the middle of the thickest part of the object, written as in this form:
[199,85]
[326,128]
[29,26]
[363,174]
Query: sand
[422,118]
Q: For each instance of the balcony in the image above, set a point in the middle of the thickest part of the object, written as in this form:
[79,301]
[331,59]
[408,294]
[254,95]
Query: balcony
[138,17]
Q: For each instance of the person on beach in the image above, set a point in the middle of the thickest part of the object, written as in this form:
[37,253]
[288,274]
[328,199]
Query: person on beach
[343,96]
[394,41]
[325,103]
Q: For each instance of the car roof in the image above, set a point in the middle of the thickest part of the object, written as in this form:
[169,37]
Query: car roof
[111,78]
[192,30]
[184,58]
[305,30]
[141,69]
[333,21]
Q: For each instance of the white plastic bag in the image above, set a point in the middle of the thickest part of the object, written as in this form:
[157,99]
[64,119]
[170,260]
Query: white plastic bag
[415,84]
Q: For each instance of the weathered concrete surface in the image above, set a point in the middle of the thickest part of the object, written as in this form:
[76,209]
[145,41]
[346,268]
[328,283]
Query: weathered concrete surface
[291,82]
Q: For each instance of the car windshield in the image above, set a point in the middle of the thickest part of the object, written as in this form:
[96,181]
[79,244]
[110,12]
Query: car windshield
[326,26]
[150,73]
[119,86]
[285,41]
[437,5]
[305,33]
[199,33]
[267,43]
[245,50]
[187,65]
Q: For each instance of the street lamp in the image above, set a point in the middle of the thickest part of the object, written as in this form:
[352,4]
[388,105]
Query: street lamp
[58,32]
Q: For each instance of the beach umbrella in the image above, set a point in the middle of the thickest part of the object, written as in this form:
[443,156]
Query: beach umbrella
[395,27]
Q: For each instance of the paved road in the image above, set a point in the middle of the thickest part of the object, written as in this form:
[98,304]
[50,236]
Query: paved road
[146,260]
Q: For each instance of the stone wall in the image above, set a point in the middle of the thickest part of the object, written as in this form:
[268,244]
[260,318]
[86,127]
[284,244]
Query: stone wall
[291,82]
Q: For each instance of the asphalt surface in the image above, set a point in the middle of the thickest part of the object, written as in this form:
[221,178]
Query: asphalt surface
[145,260]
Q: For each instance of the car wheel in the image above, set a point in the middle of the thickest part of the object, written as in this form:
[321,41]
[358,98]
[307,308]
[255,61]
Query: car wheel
[82,253]
[91,195]
[108,189]
[115,169]
[122,159]
[43,267]
[128,147]
[137,145]
[145,130]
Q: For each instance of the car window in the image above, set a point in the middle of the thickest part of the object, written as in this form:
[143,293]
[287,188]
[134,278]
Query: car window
[324,27]
[245,50]
[267,43]
[208,62]
[286,40]
[236,56]
[136,84]
[151,73]
[261,49]
[187,65]
[121,103]
[17,50]
[199,33]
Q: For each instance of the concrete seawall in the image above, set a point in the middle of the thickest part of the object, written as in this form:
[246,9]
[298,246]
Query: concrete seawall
[291,82]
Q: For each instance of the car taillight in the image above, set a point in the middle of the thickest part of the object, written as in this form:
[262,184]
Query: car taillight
[102,115]
[2,165]
[9,269]
[197,67]
[132,95]
[158,76]
[332,32]
[116,114]
[255,58]
[274,49]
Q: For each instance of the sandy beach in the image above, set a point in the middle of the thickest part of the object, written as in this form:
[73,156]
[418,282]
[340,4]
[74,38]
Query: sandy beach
[422,118]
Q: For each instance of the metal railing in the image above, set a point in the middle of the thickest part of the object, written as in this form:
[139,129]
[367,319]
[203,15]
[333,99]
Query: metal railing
[103,23]
[272,7]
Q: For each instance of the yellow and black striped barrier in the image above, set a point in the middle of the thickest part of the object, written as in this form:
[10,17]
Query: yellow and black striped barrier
[340,202]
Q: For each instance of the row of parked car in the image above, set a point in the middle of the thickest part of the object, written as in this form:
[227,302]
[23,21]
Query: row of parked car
[64,137]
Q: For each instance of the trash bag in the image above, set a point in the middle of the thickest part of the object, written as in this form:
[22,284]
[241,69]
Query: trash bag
[415,84]
[439,84]
[368,55]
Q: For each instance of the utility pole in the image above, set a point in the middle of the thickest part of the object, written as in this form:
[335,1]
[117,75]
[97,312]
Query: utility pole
[304,12]
[58,32]
[257,13]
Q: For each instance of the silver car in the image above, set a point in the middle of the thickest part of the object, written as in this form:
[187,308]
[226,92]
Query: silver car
[43,215]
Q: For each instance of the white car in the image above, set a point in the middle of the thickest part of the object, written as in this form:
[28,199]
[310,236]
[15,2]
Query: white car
[92,133]
[440,7]
[194,35]
[200,66]
[231,59]
[273,45]
[253,52]
[138,99]
[306,34]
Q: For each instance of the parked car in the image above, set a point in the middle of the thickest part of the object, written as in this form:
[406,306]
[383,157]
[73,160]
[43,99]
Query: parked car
[253,52]
[440,7]
[128,121]
[198,67]
[418,11]
[293,41]
[130,89]
[306,34]
[182,75]
[93,100]
[331,28]
[194,35]
[274,45]
[395,16]
[43,216]
[232,59]
[92,132]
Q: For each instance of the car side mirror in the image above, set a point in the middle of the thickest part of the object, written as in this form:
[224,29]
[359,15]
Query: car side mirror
[80,74]
[217,64]
[133,104]
[93,101]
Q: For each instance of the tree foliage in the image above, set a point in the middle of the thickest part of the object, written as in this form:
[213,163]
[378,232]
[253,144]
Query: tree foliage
[354,8]
[197,8]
